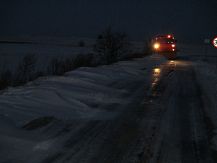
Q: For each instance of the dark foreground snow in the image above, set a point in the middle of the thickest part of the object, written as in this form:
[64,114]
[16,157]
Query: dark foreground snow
[145,110]
[87,94]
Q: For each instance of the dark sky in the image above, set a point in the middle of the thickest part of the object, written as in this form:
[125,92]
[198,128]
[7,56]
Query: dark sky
[190,20]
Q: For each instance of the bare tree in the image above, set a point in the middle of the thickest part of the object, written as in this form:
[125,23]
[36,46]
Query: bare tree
[54,67]
[111,45]
[26,69]
[59,67]
[5,79]
[81,43]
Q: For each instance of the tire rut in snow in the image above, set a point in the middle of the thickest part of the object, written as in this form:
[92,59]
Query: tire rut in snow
[183,136]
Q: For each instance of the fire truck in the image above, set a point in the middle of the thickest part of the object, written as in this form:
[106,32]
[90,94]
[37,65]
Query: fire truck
[165,45]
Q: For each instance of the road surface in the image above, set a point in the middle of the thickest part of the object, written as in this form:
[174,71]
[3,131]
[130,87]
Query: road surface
[165,123]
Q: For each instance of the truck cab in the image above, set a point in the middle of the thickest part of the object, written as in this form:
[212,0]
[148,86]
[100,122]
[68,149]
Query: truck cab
[165,45]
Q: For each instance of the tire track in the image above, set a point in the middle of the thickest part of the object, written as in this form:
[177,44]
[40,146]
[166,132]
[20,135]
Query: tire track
[183,136]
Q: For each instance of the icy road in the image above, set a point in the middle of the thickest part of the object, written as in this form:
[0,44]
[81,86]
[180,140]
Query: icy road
[148,110]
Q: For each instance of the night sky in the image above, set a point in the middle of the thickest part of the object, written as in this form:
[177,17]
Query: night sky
[189,20]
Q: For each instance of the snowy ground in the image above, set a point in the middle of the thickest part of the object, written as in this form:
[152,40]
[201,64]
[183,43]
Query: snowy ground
[198,52]
[12,54]
[46,49]
[207,77]
[81,95]
[145,110]
[204,58]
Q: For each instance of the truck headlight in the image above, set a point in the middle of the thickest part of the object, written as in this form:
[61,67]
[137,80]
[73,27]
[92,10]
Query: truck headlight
[156,46]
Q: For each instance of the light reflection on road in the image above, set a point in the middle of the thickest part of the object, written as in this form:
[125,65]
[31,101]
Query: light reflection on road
[158,72]
[156,77]
[172,65]
[180,63]
[165,70]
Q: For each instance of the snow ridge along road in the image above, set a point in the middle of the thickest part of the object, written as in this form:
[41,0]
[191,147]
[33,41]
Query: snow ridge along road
[148,110]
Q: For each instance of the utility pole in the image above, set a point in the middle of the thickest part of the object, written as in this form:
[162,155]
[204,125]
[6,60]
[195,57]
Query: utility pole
[206,44]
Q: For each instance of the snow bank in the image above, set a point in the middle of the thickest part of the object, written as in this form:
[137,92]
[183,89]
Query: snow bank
[80,96]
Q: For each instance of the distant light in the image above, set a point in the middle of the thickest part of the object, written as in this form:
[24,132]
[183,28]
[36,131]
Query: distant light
[173,49]
[156,46]
[168,36]
[173,45]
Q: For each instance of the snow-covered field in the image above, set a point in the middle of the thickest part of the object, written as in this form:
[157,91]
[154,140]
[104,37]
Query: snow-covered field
[198,52]
[47,49]
[78,96]
[12,54]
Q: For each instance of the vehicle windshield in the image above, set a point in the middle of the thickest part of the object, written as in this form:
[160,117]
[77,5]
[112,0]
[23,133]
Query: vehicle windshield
[166,40]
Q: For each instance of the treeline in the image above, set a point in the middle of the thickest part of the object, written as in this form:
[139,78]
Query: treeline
[110,47]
